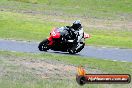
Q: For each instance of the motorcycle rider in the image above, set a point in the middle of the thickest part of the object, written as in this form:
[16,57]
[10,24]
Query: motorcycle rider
[71,36]
[76,33]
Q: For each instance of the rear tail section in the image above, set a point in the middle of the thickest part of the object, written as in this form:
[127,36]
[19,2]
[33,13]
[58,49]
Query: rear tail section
[86,35]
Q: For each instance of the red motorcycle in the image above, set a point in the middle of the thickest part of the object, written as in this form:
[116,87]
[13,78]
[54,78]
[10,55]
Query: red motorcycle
[59,41]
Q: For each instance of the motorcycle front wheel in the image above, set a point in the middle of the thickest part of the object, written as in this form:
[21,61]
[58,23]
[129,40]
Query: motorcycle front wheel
[43,46]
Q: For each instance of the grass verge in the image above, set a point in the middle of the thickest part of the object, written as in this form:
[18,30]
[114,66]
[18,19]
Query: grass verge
[103,65]
[15,70]
[89,8]
[27,27]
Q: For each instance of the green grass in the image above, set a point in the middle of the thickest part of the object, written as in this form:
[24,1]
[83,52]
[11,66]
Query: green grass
[90,8]
[24,27]
[100,64]
[17,21]
[37,24]
[19,76]
[35,28]
[115,41]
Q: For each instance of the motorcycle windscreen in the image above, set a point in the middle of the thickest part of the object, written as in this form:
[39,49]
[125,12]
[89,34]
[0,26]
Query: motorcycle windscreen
[56,35]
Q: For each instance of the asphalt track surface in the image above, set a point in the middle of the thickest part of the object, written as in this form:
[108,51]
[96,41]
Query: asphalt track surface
[115,54]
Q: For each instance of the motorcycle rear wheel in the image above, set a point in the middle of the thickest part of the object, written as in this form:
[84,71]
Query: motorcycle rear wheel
[74,51]
[78,50]
[71,51]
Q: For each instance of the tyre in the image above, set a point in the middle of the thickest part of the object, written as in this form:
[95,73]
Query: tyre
[78,50]
[81,80]
[72,50]
[43,46]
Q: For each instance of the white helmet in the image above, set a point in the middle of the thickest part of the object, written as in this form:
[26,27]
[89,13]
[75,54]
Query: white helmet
[76,25]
